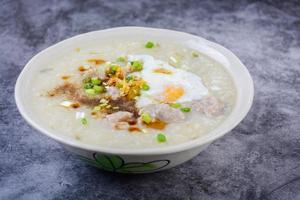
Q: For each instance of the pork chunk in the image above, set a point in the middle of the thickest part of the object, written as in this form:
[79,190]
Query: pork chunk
[124,104]
[121,116]
[164,113]
[210,106]
[113,92]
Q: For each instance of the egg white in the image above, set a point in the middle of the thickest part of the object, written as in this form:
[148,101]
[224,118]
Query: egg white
[191,83]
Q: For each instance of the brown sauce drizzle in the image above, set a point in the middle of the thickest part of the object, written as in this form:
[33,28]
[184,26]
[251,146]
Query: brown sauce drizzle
[82,69]
[132,122]
[97,115]
[96,61]
[75,105]
[65,77]
[134,129]
[157,124]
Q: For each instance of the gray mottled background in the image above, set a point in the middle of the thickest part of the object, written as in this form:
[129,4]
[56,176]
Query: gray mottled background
[259,159]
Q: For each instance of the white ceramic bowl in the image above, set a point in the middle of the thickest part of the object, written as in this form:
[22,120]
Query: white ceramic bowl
[145,160]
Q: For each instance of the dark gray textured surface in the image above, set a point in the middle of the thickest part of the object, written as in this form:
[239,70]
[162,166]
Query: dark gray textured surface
[260,159]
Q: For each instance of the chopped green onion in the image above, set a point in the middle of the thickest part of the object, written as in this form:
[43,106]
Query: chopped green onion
[186,109]
[128,78]
[88,85]
[95,81]
[84,121]
[97,108]
[90,91]
[195,54]
[86,80]
[119,85]
[98,89]
[137,65]
[145,87]
[149,45]
[121,59]
[175,105]
[103,105]
[161,137]
[114,69]
[146,117]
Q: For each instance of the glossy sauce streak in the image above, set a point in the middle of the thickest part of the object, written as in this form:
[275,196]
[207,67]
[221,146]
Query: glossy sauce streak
[132,122]
[81,68]
[65,77]
[96,61]
[75,105]
[134,128]
[157,124]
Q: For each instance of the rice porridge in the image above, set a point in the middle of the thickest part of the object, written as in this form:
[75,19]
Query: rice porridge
[132,94]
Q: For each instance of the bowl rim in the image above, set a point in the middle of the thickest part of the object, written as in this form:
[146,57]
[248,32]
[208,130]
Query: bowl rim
[144,151]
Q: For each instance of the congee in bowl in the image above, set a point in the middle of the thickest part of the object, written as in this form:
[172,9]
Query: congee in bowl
[132,94]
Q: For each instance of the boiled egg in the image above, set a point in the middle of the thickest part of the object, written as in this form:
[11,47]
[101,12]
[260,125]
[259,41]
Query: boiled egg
[166,83]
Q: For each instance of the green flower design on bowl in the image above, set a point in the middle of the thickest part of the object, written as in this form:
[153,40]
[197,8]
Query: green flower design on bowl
[114,163]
